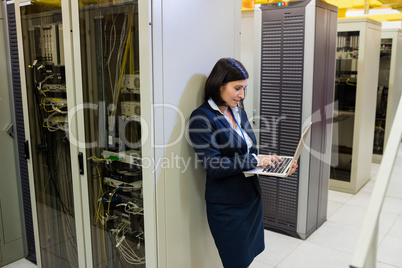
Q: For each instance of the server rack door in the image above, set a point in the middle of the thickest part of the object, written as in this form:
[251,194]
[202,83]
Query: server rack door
[45,94]
[355,95]
[110,85]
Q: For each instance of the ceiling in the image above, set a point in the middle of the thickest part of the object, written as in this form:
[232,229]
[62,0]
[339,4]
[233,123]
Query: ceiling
[345,5]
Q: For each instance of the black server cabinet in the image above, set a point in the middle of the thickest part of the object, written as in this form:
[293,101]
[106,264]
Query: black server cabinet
[295,90]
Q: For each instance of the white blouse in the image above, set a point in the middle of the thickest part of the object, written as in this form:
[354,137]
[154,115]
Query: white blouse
[236,113]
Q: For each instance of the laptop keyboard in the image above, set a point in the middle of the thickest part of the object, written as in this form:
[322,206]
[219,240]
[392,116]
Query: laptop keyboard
[279,168]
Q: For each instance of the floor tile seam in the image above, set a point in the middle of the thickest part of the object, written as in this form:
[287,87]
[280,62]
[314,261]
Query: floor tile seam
[278,262]
[281,236]
[394,236]
[384,237]
[392,197]
[269,264]
[340,222]
[393,223]
[263,263]
[287,255]
[325,247]
[378,250]
[393,266]
[356,206]
[389,212]
[366,191]
[379,242]
[396,169]
[366,206]
[329,219]
[330,216]
[332,248]
[343,202]
[339,203]
[359,228]
[389,195]
[347,225]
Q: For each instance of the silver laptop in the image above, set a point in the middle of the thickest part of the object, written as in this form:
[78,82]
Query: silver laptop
[283,168]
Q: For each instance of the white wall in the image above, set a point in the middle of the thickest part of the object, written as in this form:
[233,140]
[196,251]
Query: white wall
[247,58]
[188,40]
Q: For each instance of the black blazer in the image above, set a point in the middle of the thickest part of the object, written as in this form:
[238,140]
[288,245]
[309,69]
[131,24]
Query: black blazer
[224,156]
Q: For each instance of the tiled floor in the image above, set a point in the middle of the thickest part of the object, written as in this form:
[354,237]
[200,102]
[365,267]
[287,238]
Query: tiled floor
[23,263]
[333,244]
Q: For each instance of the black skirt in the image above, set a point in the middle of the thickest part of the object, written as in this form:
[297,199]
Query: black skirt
[238,231]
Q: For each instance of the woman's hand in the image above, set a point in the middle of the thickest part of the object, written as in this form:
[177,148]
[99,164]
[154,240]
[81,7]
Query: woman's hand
[293,168]
[264,160]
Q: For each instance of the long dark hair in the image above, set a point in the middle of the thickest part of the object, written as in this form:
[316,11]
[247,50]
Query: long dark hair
[225,70]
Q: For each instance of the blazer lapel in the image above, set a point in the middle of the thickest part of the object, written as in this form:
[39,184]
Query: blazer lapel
[225,122]
[246,126]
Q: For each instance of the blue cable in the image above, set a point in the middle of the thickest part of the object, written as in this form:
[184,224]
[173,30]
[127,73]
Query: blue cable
[244,137]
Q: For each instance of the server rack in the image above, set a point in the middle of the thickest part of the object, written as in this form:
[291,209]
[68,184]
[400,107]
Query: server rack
[388,91]
[297,63]
[358,57]
[83,186]
[173,204]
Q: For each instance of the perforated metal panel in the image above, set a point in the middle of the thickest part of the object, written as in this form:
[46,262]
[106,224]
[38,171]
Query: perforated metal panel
[19,116]
[297,205]
[281,110]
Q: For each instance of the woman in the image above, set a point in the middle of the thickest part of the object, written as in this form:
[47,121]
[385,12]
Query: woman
[226,145]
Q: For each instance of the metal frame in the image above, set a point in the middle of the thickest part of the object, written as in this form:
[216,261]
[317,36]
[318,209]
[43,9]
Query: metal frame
[158,86]
[257,65]
[395,80]
[146,19]
[307,97]
[27,133]
[68,46]
[147,113]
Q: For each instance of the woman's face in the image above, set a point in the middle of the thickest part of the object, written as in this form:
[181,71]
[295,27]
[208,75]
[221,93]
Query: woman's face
[233,92]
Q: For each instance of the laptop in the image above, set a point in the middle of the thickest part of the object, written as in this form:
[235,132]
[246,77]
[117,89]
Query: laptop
[282,169]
